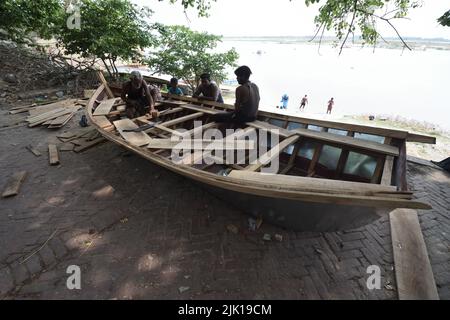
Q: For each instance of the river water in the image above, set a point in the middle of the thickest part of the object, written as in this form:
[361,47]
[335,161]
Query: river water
[413,85]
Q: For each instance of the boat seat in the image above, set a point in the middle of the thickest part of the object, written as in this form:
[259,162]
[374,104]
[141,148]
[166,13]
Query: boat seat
[347,141]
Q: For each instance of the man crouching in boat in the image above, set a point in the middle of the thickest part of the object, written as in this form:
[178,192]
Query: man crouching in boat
[137,96]
[247,100]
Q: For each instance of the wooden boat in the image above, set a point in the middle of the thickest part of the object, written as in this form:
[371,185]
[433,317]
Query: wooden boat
[331,176]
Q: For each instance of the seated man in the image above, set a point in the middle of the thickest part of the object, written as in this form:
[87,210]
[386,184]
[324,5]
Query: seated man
[208,89]
[247,100]
[136,95]
[173,87]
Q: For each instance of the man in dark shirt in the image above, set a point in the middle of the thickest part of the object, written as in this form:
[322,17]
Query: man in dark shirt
[137,96]
[208,90]
[247,100]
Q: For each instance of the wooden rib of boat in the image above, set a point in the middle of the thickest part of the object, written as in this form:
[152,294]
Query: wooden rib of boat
[331,175]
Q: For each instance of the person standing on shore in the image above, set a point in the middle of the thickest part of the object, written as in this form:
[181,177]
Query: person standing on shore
[304,102]
[284,101]
[330,105]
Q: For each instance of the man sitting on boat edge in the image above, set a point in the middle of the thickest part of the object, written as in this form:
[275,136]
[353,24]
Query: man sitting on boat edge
[208,90]
[247,100]
[136,94]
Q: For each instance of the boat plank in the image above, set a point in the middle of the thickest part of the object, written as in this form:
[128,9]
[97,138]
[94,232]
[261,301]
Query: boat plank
[199,108]
[176,121]
[136,138]
[415,280]
[272,154]
[104,108]
[270,127]
[200,144]
[348,141]
[312,184]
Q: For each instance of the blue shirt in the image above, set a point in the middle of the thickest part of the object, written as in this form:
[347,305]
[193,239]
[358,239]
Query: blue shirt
[176,91]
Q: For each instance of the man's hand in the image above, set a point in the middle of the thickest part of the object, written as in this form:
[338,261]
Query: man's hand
[154,113]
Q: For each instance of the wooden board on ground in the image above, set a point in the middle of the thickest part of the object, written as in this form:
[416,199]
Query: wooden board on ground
[137,138]
[66,147]
[53,154]
[415,280]
[13,185]
[88,144]
[33,151]
[104,108]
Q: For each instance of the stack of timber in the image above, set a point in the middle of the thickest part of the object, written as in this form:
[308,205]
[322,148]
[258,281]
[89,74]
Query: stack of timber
[54,115]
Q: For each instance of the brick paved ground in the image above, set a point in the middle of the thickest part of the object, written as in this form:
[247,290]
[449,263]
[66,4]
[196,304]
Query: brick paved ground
[138,231]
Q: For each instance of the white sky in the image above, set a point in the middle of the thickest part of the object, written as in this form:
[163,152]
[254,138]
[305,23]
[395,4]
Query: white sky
[285,18]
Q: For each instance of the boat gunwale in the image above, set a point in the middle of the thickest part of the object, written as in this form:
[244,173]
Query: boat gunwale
[240,185]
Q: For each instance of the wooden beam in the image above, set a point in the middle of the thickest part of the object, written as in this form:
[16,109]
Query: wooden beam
[53,155]
[386,178]
[102,79]
[413,137]
[13,185]
[415,280]
[400,169]
[272,154]
[343,158]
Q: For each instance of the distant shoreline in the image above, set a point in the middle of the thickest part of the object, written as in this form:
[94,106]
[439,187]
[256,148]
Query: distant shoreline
[392,43]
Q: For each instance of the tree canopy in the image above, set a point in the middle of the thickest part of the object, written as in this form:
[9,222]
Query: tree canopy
[186,54]
[21,19]
[346,17]
[111,29]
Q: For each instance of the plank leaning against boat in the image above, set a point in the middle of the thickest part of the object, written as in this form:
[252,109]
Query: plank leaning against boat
[329,175]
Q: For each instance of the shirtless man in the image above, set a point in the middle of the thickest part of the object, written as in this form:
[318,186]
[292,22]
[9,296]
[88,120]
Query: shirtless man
[247,100]
[137,96]
[330,105]
[304,102]
[208,90]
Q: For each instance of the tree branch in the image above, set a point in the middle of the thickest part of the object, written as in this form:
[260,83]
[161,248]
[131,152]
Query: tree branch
[350,26]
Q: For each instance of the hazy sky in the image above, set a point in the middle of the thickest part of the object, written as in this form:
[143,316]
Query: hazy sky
[285,18]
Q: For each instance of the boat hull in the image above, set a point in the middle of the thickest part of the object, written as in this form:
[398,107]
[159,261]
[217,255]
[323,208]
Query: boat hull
[299,215]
